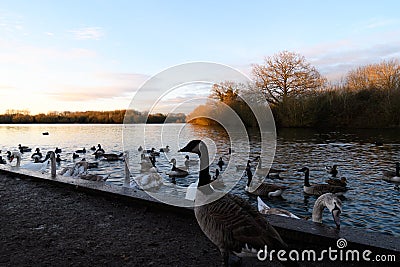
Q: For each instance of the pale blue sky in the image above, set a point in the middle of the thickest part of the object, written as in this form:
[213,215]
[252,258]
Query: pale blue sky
[93,55]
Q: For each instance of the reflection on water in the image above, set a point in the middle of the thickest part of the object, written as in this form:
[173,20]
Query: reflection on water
[372,204]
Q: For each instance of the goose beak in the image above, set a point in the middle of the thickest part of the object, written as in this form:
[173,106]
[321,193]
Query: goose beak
[336,217]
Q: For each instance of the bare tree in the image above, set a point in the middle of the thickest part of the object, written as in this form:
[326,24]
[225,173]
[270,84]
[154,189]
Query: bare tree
[286,74]
[384,76]
[226,92]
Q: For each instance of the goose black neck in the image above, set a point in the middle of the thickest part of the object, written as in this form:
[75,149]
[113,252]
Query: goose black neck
[204,174]
[249,176]
[307,178]
[397,169]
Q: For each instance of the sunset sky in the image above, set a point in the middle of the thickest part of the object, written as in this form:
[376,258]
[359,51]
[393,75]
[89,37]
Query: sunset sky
[94,55]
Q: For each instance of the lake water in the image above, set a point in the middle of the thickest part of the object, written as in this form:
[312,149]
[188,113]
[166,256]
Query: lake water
[372,204]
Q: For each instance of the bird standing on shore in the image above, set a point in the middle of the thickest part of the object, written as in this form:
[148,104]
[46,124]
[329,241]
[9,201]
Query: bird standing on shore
[230,222]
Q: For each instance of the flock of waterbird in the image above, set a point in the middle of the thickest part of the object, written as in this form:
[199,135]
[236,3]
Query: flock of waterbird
[40,162]
[230,222]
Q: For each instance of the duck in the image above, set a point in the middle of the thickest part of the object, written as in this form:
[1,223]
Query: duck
[93,148]
[230,222]
[23,149]
[140,149]
[81,150]
[75,156]
[164,149]
[332,170]
[319,189]
[263,189]
[265,209]
[151,180]
[176,171]
[328,200]
[8,155]
[113,156]
[220,163]
[37,154]
[340,182]
[2,161]
[45,133]
[57,150]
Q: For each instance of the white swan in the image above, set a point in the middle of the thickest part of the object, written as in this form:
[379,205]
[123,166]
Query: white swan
[79,169]
[38,167]
[148,181]
[265,209]
[328,200]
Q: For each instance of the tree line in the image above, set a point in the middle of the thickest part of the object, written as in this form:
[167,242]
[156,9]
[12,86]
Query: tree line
[104,117]
[299,96]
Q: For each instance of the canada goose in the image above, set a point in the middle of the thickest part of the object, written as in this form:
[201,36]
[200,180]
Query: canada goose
[37,154]
[270,173]
[154,153]
[265,209]
[264,189]
[2,161]
[332,170]
[191,162]
[220,163]
[75,156]
[81,150]
[230,222]
[329,200]
[392,176]
[340,182]
[319,189]
[99,151]
[57,150]
[151,180]
[23,149]
[58,158]
[164,149]
[92,165]
[93,148]
[243,167]
[177,171]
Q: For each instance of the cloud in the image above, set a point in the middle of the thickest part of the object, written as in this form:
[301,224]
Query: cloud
[88,33]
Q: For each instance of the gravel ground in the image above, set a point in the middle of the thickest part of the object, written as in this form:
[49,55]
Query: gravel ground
[43,224]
